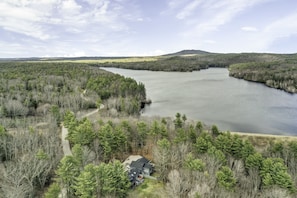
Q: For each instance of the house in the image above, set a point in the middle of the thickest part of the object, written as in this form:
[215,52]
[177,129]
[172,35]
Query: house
[135,177]
[138,167]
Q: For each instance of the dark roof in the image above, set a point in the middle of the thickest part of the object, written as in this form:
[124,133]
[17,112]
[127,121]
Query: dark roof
[148,165]
[137,165]
[136,169]
[143,160]
[140,164]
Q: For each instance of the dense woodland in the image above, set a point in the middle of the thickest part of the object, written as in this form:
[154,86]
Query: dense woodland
[279,75]
[33,100]
[191,159]
[34,88]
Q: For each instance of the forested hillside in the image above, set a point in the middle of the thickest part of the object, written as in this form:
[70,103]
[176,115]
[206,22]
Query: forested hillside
[279,75]
[33,100]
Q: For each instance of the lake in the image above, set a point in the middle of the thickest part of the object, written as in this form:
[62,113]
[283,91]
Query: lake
[213,97]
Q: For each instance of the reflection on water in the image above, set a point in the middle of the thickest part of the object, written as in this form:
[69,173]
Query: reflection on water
[215,98]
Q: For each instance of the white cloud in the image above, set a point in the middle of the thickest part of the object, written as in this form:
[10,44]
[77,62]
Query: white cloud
[188,9]
[267,36]
[173,4]
[70,7]
[65,27]
[22,20]
[49,19]
[225,10]
[26,28]
[174,7]
[128,27]
[213,14]
[283,27]
[202,19]
[22,13]
[249,29]
[15,16]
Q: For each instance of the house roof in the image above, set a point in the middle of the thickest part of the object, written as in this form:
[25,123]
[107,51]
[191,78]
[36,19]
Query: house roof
[148,165]
[143,160]
[135,165]
[130,159]
[138,165]
[133,173]
[141,163]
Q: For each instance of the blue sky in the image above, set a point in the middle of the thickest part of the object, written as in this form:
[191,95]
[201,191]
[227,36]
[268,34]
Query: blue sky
[46,28]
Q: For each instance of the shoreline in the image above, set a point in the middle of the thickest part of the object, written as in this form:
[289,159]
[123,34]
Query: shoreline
[289,137]
[240,133]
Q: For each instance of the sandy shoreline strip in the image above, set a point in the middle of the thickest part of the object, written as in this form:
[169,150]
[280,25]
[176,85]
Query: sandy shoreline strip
[265,135]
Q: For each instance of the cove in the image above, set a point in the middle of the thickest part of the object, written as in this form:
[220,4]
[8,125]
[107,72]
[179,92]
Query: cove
[211,96]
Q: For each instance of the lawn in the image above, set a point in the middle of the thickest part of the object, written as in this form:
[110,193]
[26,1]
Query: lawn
[149,188]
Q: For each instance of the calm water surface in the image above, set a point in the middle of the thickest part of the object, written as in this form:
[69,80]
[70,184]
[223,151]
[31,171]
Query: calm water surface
[215,98]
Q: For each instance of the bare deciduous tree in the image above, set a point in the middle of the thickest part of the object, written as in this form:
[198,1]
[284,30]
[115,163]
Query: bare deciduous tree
[15,108]
[276,193]
[177,186]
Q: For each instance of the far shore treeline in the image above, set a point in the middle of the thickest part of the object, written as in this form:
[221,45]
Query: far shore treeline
[274,70]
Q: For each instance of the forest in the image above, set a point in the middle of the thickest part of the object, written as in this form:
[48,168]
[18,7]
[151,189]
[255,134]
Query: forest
[33,100]
[279,75]
[191,159]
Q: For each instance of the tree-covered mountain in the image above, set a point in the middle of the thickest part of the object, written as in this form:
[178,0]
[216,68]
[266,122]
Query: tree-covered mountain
[188,53]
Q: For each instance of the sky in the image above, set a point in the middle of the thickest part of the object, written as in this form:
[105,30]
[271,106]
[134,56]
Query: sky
[70,28]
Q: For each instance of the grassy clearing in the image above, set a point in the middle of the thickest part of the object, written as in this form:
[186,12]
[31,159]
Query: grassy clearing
[149,188]
[261,141]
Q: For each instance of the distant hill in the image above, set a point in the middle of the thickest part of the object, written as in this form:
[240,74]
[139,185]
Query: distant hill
[19,59]
[187,52]
[63,58]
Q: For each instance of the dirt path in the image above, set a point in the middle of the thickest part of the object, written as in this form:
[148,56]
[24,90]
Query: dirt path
[89,114]
[66,144]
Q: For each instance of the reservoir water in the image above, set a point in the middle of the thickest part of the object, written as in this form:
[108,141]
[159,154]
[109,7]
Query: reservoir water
[213,97]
